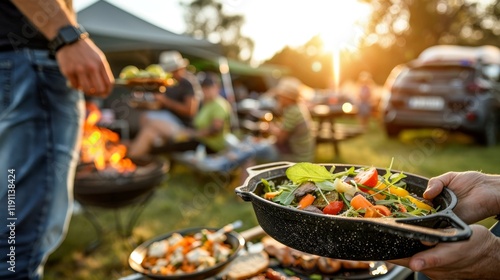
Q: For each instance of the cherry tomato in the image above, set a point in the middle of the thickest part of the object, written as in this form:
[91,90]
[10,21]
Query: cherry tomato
[367,178]
[334,207]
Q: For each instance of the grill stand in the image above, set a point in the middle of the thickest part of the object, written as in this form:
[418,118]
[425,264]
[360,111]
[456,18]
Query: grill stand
[94,192]
[123,227]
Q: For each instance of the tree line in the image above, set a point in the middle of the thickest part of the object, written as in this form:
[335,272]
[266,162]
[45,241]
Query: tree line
[397,32]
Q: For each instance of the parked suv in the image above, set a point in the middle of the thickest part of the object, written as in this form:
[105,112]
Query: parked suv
[450,87]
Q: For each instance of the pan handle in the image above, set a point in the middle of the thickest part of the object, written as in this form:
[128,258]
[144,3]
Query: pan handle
[242,191]
[459,230]
[245,195]
[256,169]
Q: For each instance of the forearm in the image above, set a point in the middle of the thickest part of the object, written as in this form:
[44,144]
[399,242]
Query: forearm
[282,136]
[491,259]
[216,128]
[493,181]
[47,15]
[186,109]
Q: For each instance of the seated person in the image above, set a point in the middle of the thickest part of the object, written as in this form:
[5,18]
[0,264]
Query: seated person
[179,104]
[294,138]
[211,124]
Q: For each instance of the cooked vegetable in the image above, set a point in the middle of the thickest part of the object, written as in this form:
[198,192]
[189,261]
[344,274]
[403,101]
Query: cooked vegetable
[343,187]
[367,178]
[180,254]
[382,210]
[418,203]
[353,192]
[334,207]
[359,202]
[307,200]
[271,195]
[323,200]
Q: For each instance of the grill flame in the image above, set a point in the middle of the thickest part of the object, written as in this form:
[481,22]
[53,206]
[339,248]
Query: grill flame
[101,146]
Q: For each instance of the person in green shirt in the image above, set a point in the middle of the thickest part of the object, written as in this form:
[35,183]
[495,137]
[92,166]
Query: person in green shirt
[211,125]
[212,122]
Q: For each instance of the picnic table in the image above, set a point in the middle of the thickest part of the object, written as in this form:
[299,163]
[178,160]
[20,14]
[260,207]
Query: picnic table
[327,129]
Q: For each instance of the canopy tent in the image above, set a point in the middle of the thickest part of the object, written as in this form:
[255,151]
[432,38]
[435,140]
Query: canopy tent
[123,36]
[116,30]
[129,40]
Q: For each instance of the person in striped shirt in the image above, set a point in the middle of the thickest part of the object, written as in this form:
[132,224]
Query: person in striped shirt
[294,138]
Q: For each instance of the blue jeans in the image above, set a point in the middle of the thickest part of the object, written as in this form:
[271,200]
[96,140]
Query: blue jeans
[40,129]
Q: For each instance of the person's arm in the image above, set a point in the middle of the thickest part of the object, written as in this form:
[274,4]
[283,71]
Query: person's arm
[216,127]
[47,16]
[82,62]
[187,108]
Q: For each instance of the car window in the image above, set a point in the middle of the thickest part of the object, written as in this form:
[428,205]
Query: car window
[436,74]
[492,72]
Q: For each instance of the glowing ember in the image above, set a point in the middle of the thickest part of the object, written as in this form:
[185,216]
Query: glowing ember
[101,146]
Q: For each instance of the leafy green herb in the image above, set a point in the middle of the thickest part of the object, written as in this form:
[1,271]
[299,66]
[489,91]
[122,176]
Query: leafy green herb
[395,178]
[348,172]
[305,171]
[267,185]
[323,195]
[346,202]
[286,196]
[325,185]
[391,178]
[388,173]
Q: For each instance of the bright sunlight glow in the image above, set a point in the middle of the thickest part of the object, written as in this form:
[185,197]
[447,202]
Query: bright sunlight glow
[343,29]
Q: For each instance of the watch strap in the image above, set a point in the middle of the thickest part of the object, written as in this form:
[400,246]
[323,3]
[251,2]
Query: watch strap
[78,33]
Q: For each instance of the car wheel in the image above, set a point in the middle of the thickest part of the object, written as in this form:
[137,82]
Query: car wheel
[392,131]
[489,136]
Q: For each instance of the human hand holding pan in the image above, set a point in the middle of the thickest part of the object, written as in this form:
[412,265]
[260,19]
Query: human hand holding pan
[477,257]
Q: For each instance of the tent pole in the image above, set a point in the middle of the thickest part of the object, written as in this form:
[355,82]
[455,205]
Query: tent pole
[228,89]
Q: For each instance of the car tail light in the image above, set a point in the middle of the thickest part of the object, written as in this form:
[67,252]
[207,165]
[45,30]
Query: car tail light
[471,116]
[477,87]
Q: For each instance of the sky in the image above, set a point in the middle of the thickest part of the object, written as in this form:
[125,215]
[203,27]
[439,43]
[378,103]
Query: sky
[272,24]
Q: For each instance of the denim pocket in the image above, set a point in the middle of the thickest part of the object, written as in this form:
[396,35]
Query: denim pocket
[5,83]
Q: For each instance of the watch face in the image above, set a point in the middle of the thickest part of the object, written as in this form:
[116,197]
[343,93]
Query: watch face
[69,35]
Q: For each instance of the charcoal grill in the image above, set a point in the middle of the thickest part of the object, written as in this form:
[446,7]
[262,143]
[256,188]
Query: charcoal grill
[110,189]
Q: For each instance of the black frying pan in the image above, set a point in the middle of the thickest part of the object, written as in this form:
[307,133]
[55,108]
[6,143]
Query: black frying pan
[352,238]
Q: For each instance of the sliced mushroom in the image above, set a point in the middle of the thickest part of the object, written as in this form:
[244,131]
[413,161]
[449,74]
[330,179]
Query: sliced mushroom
[313,209]
[305,188]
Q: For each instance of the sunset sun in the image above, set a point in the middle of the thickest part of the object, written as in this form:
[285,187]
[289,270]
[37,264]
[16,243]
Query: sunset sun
[343,27]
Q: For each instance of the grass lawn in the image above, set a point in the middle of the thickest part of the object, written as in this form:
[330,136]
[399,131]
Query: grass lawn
[186,199]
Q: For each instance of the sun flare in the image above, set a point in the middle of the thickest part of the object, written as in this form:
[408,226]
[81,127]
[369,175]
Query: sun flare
[344,27]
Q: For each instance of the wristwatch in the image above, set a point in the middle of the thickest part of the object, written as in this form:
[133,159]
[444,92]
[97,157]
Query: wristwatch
[67,35]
